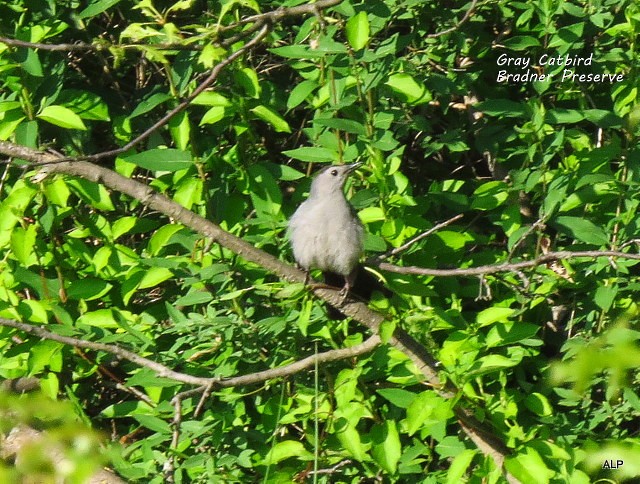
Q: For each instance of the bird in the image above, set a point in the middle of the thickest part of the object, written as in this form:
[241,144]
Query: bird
[325,232]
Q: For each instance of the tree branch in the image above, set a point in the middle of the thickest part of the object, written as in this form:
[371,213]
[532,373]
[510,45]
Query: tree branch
[507,266]
[280,13]
[201,382]
[136,190]
[84,47]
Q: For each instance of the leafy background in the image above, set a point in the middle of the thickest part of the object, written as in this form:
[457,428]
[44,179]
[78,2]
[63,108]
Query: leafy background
[546,357]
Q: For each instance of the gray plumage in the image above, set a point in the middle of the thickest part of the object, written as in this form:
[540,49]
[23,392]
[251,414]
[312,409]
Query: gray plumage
[325,232]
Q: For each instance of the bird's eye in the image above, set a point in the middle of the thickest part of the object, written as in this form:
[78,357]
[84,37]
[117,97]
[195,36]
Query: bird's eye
[334,172]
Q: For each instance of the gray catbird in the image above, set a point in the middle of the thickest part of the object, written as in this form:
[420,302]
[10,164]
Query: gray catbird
[325,232]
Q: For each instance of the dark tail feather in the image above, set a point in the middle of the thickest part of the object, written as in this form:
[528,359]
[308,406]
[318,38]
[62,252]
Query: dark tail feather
[365,284]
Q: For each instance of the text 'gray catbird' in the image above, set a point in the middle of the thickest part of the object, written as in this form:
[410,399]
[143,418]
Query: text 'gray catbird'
[325,231]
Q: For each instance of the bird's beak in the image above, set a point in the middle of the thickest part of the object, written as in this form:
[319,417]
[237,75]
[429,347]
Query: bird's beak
[354,166]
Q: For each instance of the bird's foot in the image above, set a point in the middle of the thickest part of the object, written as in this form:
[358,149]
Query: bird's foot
[344,294]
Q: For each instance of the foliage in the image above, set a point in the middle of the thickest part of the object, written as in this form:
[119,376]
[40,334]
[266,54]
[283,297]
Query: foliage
[525,162]
[64,449]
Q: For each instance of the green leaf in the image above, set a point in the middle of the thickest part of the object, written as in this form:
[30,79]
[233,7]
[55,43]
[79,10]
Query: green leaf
[149,103]
[265,192]
[88,289]
[386,449]
[6,106]
[502,108]
[604,296]
[213,115]
[386,331]
[194,299]
[493,315]
[94,194]
[50,385]
[154,276]
[126,409]
[350,439]
[161,237]
[490,195]
[189,192]
[538,404]
[299,51]
[271,117]
[521,42]
[312,154]
[12,209]
[371,214]
[122,226]
[9,122]
[61,116]
[491,363]
[102,318]
[346,125]
[85,104]
[161,159]
[458,468]
[450,446]
[153,423]
[357,29]
[528,466]
[583,230]
[96,8]
[43,355]
[33,311]
[399,397]
[148,378]
[454,240]
[412,91]
[426,409]
[603,118]
[30,62]
[22,244]
[284,172]
[286,450]
[564,116]
[248,79]
[180,129]
[301,92]
[511,332]
[57,191]
[211,98]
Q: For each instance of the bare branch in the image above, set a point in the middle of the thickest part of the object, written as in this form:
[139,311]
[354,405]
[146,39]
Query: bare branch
[276,15]
[202,383]
[333,355]
[117,351]
[507,266]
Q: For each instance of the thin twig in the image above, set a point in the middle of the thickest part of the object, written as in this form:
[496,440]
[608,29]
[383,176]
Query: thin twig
[414,240]
[203,398]
[466,17]
[538,224]
[169,467]
[280,13]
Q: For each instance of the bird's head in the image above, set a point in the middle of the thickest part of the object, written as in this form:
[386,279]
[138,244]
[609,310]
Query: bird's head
[331,179]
